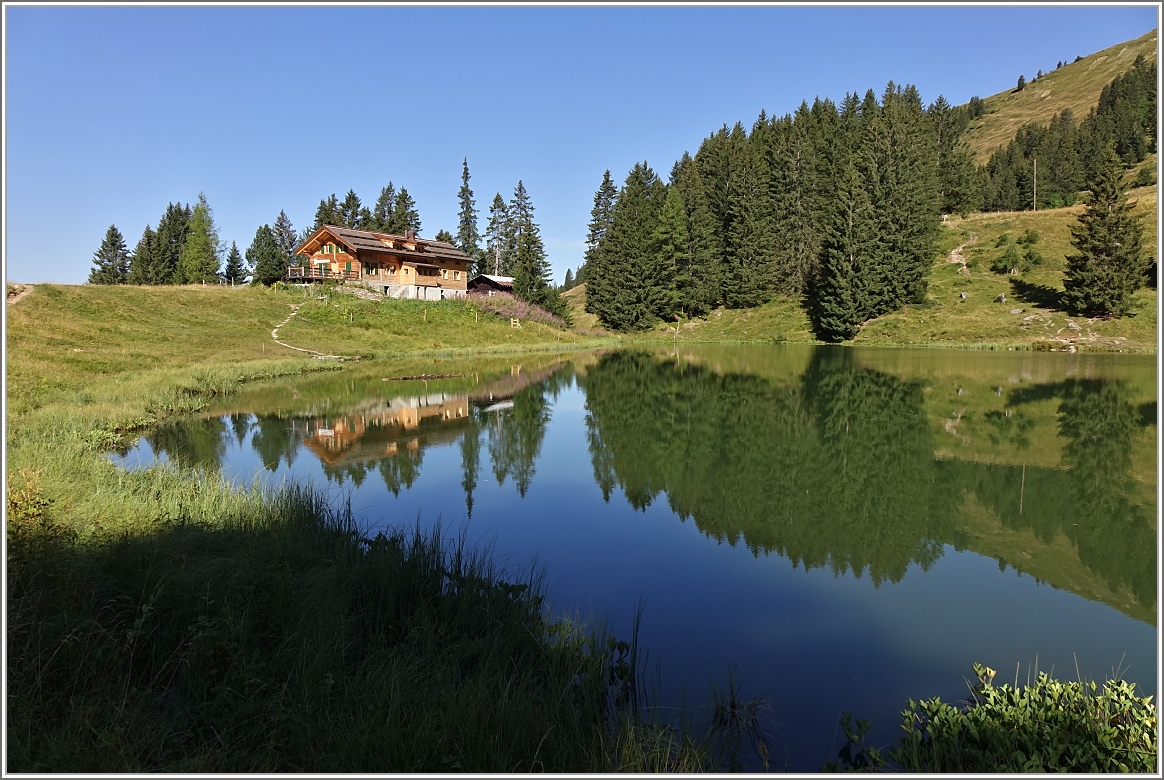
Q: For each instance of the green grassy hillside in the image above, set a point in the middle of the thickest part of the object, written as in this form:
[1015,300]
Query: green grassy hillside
[1076,86]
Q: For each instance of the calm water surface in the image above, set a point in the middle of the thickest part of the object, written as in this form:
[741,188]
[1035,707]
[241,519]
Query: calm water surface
[836,529]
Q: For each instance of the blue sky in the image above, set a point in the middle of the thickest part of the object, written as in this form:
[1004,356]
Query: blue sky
[112,112]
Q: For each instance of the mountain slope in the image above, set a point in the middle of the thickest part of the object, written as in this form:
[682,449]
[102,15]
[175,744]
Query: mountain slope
[1076,85]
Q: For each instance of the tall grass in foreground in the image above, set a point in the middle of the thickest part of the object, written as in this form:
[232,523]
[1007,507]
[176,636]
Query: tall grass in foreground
[281,639]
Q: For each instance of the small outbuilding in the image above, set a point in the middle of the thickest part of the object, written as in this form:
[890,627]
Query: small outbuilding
[488,284]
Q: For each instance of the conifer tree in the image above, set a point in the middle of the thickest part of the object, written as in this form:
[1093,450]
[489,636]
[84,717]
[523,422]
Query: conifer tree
[234,273]
[145,264]
[531,268]
[444,235]
[264,258]
[1108,265]
[382,212]
[748,273]
[201,255]
[111,260]
[698,287]
[839,293]
[328,213]
[350,210]
[599,285]
[468,238]
[173,230]
[628,248]
[405,217]
[668,268]
[285,237]
[496,258]
[568,282]
[793,191]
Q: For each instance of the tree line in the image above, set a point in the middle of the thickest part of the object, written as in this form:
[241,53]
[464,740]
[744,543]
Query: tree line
[836,206]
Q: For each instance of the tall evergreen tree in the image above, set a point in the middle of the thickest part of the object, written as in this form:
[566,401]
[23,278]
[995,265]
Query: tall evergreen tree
[173,230]
[468,238]
[839,294]
[405,217]
[749,274]
[697,285]
[382,212]
[264,258]
[111,260]
[285,237]
[793,190]
[446,236]
[1108,265]
[668,268]
[599,285]
[532,279]
[350,211]
[145,264]
[957,192]
[201,255]
[568,282]
[498,235]
[628,249]
[328,213]
[234,273]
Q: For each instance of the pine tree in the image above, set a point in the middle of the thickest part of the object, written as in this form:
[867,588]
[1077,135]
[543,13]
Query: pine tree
[957,192]
[839,294]
[568,282]
[264,258]
[350,210]
[405,217]
[201,255]
[1109,265]
[285,237]
[697,286]
[111,260]
[531,268]
[793,193]
[668,268]
[234,273]
[382,212]
[468,239]
[328,213]
[1022,83]
[446,236]
[599,284]
[498,233]
[145,264]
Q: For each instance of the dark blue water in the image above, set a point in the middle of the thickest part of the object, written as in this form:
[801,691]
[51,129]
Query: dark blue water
[832,530]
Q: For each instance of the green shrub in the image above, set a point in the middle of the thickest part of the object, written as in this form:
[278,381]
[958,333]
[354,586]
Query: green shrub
[1008,262]
[1030,237]
[1050,726]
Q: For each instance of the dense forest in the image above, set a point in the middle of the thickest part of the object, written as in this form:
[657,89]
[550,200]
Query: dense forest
[839,207]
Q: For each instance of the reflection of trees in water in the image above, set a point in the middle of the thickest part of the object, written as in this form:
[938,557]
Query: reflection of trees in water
[838,470]
[191,442]
[470,461]
[516,435]
[1010,427]
[275,440]
[401,469]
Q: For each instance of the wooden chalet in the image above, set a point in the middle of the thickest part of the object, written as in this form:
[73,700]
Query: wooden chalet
[488,284]
[398,266]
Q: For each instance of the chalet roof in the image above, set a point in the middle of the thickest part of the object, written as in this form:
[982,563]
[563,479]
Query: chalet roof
[368,241]
[500,281]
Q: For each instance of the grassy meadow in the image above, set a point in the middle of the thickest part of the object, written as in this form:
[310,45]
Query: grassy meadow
[1076,85]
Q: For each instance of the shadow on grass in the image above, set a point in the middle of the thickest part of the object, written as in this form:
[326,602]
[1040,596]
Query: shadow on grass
[1037,295]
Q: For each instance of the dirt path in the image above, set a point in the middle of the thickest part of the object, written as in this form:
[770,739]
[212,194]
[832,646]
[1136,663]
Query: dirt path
[312,352]
[956,254]
[21,291]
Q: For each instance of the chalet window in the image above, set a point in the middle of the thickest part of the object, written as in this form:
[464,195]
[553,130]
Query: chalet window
[457,275]
[348,266]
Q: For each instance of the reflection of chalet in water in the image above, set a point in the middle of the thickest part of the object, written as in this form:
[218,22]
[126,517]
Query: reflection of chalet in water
[383,428]
[398,266]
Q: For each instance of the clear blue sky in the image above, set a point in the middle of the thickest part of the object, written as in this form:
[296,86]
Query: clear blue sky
[112,112]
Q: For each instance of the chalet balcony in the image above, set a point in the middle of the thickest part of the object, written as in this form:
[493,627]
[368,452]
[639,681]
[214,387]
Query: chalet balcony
[312,273]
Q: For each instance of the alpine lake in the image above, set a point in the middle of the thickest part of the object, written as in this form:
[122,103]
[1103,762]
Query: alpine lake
[830,529]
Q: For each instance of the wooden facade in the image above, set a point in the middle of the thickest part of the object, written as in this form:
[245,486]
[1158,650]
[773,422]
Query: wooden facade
[398,266]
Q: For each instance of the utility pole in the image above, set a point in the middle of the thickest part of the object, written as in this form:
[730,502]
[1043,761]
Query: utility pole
[1035,205]
[497,256]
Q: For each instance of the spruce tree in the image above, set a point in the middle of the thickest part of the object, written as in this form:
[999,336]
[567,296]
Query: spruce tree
[264,258]
[444,235]
[628,250]
[234,273]
[1108,265]
[382,212]
[173,230]
[668,268]
[599,285]
[531,268]
[201,255]
[698,286]
[793,192]
[468,238]
[145,264]
[350,210]
[111,260]
[285,237]
[748,270]
[839,294]
[328,212]
[568,282]
[405,217]
[497,253]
